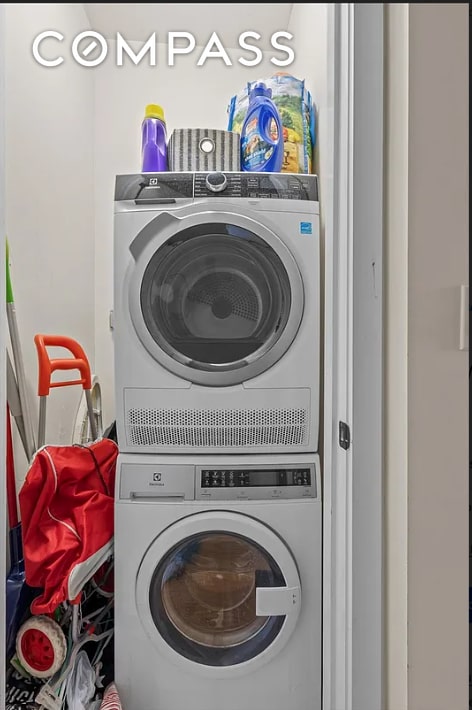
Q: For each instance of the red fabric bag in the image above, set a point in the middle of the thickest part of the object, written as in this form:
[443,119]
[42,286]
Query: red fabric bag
[67,513]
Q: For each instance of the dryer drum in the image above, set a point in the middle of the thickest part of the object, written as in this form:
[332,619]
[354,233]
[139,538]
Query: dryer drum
[229,293]
[215,294]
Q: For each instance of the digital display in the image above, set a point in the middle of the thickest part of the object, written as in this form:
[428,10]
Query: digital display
[253,478]
[264,478]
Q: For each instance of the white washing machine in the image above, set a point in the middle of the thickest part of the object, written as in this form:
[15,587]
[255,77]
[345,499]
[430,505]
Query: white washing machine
[216,312]
[218,583]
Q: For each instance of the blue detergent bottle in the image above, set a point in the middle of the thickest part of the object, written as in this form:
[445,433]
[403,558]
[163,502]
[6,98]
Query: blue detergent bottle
[262,143]
[153,140]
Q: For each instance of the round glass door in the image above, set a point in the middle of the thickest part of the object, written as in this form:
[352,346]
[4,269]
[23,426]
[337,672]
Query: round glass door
[202,598]
[219,302]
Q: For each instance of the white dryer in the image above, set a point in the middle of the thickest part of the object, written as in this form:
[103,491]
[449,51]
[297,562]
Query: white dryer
[218,583]
[217,312]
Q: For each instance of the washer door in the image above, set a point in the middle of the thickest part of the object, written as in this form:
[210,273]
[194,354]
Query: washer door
[218,589]
[215,297]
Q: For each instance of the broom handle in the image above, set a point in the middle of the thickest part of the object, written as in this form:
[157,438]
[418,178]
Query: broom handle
[11,483]
[19,366]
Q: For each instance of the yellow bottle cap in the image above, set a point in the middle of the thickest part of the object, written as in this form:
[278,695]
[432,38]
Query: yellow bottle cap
[154,111]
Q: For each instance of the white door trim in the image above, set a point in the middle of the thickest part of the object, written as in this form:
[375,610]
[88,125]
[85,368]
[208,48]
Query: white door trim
[353,530]
[367,383]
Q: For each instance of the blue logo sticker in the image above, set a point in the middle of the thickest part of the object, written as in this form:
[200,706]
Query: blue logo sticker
[306,228]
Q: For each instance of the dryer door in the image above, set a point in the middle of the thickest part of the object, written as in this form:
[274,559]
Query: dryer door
[218,589]
[215,297]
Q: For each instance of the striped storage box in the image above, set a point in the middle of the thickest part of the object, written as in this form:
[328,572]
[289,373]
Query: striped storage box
[202,149]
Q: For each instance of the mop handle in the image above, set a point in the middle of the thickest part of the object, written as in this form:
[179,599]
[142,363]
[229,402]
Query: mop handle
[47,365]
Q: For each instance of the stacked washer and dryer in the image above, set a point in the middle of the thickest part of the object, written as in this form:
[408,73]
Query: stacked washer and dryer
[218,499]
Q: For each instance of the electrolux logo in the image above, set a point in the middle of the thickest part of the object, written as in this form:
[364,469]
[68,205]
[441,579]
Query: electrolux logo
[90,49]
[156,479]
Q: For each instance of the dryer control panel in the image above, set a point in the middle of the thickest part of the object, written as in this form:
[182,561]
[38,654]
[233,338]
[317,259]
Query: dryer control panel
[282,186]
[165,188]
[255,483]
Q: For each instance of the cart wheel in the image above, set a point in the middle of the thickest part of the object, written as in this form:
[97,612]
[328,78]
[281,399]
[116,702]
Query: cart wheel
[41,646]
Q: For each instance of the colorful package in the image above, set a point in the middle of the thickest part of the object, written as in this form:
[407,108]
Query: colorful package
[297,112]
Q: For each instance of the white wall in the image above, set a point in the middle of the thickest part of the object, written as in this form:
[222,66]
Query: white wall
[438,247]
[49,197]
[426,373]
[192,97]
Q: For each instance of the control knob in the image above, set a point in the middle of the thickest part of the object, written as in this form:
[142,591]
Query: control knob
[216,182]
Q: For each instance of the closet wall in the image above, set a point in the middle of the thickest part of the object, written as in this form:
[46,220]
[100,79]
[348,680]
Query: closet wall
[49,197]
[438,246]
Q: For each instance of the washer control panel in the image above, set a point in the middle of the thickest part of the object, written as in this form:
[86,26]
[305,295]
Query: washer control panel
[257,483]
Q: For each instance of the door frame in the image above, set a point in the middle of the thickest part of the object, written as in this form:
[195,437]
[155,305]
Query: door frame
[353,609]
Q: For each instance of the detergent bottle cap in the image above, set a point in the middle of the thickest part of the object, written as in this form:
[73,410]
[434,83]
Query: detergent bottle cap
[260,89]
[154,111]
